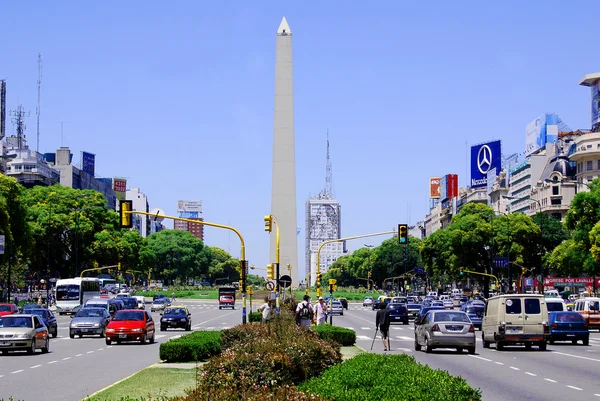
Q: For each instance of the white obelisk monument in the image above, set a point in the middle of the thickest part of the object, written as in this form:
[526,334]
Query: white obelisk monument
[283,189]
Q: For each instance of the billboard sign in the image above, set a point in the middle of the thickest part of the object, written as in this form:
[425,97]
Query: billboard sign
[541,131]
[596,105]
[88,163]
[434,187]
[484,158]
[189,206]
[120,187]
[444,188]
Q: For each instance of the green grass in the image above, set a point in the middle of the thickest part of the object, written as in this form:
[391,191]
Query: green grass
[153,383]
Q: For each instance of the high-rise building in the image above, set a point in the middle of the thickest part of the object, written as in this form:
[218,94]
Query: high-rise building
[323,223]
[283,189]
[141,222]
[191,210]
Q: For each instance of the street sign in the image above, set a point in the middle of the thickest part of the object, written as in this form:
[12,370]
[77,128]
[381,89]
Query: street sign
[539,278]
[285,281]
[419,270]
[2,244]
[528,282]
[501,263]
[270,286]
[332,281]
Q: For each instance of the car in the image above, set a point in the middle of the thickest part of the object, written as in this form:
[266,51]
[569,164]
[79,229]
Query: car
[129,302]
[344,302]
[23,332]
[445,329]
[89,321]
[158,296]
[130,325]
[368,301]
[176,317]
[336,308]
[8,309]
[399,300]
[568,326]
[423,311]
[475,312]
[381,303]
[141,301]
[48,318]
[160,304]
[413,310]
[398,313]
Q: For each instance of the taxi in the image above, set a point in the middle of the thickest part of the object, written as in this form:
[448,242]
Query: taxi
[176,316]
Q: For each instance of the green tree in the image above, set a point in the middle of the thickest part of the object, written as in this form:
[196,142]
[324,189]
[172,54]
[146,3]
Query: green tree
[552,234]
[568,258]
[222,265]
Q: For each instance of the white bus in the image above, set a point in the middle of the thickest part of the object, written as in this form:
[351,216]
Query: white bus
[72,293]
[106,281]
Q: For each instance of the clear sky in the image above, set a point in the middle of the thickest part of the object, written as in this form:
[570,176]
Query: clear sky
[178,96]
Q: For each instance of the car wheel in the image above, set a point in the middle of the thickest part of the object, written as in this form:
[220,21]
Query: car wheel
[486,344]
[152,339]
[586,341]
[31,349]
[55,333]
[108,342]
[471,350]
[46,346]
[71,334]
[428,348]
[143,340]
[103,333]
[542,345]
[189,327]
[417,345]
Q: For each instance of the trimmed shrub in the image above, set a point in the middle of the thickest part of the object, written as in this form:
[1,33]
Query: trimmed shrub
[253,393]
[255,317]
[341,335]
[197,346]
[389,378]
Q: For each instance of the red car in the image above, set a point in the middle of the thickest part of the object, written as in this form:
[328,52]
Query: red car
[8,309]
[130,325]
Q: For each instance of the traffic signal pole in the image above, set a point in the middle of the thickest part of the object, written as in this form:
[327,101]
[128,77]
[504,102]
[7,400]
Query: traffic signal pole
[483,274]
[269,221]
[243,261]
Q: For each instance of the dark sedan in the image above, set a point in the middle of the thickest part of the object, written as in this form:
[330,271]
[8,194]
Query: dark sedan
[423,312]
[176,317]
[398,313]
[475,312]
[568,326]
[48,318]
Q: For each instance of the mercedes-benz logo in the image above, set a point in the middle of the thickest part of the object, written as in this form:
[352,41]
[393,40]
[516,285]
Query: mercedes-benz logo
[484,159]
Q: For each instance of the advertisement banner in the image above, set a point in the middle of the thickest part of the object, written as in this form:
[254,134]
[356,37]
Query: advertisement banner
[434,187]
[120,187]
[189,206]
[541,131]
[484,158]
[570,281]
[596,104]
[88,163]
[452,185]
[444,188]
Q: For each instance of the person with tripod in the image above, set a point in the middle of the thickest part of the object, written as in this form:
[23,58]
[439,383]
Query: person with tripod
[382,323]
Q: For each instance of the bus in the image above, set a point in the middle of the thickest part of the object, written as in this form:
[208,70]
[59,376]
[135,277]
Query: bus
[71,293]
[106,281]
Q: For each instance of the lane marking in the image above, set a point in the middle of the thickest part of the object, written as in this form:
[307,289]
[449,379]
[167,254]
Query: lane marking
[17,371]
[99,349]
[575,388]
[513,368]
[480,357]
[576,356]
[78,354]
[350,328]
[89,352]
[530,374]
[363,338]
[160,336]
[66,359]
[405,338]
[597,395]
[498,363]
[405,349]
[549,380]
[366,328]
[51,362]
[3,376]
[35,366]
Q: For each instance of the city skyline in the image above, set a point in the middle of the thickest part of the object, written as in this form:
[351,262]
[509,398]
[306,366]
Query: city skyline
[140,92]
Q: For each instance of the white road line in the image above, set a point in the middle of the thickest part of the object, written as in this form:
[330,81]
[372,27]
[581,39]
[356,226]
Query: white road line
[480,357]
[51,362]
[66,359]
[99,349]
[513,368]
[89,352]
[498,363]
[405,338]
[17,371]
[3,376]
[35,366]
[177,336]
[208,328]
[405,349]
[576,356]
[530,374]
[160,336]
[350,328]
[366,328]
[549,380]
[597,395]
[575,388]
[78,354]
[227,327]
[363,338]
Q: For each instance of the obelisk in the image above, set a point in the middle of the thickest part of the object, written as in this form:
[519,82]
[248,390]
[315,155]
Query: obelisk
[283,189]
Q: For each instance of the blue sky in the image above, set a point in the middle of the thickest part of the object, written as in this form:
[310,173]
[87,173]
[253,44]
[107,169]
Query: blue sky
[178,97]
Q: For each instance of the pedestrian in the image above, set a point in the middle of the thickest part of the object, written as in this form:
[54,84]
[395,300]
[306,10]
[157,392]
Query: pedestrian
[320,309]
[267,311]
[16,300]
[382,322]
[39,300]
[172,296]
[304,312]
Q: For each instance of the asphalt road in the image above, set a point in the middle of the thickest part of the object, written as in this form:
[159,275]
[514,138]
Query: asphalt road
[75,368]
[564,371]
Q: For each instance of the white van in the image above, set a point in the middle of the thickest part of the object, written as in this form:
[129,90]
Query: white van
[516,319]
[589,308]
[556,305]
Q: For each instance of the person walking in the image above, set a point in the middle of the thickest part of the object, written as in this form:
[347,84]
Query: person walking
[267,311]
[382,322]
[320,309]
[304,312]
[173,296]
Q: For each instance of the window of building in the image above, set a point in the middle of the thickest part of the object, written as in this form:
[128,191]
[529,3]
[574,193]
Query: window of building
[555,190]
[556,201]
[590,178]
[589,165]
[598,164]
[589,146]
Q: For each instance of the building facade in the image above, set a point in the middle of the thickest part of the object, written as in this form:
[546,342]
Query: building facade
[197,230]
[140,203]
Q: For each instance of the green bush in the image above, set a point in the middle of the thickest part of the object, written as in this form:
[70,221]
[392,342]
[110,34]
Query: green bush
[344,337]
[389,378]
[255,317]
[253,393]
[197,346]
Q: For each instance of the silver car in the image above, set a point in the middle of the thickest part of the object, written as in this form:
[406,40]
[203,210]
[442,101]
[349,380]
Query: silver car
[445,329]
[23,332]
[160,304]
[89,321]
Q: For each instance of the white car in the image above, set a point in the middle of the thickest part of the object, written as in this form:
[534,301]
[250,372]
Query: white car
[140,301]
[337,308]
[368,301]
[448,304]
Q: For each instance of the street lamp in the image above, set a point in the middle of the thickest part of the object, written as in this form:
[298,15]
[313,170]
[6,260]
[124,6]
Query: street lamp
[370,270]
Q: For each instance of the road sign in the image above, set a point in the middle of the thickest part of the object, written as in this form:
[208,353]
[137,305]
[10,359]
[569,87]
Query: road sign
[270,286]
[528,282]
[332,281]
[419,270]
[285,281]
[501,263]
[1,244]
[539,278]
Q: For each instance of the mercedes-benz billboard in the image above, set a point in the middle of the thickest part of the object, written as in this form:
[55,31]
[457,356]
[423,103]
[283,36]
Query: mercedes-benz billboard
[484,158]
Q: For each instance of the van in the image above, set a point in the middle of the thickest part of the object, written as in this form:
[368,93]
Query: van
[109,304]
[556,305]
[589,308]
[516,319]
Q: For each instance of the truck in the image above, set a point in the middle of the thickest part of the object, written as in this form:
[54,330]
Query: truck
[227,297]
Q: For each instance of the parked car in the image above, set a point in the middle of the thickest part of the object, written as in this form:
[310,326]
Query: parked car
[48,318]
[130,325]
[23,332]
[568,326]
[445,329]
[92,321]
[398,313]
[176,317]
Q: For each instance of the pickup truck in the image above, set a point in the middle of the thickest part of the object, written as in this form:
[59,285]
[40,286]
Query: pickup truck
[227,297]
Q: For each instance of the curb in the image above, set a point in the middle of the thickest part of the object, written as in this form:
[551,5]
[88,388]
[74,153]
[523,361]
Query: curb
[115,383]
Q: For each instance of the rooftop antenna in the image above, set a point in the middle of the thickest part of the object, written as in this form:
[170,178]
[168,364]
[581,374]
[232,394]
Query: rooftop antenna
[19,120]
[328,171]
[37,111]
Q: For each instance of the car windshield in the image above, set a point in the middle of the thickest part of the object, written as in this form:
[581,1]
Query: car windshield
[555,306]
[129,302]
[175,311]
[450,317]
[91,312]
[16,321]
[474,309]
[122,316]
[43,313]
[569,317]
[5,308]
[395,305]
[336,304]
[413,306]
[67,292]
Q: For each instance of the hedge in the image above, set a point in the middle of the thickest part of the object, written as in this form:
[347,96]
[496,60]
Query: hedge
[197,346]
[344,337]
[388,378]
[255,317]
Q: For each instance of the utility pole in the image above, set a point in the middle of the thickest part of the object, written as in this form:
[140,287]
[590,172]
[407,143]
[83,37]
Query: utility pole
[37,111]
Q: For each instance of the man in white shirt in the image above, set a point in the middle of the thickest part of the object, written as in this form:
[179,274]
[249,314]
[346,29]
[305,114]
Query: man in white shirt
[304,312]
[266,310]
[321,311]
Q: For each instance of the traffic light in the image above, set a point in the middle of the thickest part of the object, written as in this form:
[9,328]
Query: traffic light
[461,271]
[403,233]
[270,272]
[523,271]
[125,218]
[342,268]
[318,279]
[119,266]
[269,223]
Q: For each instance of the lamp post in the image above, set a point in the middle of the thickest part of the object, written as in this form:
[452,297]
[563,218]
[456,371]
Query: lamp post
[541,284]
[370,270]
